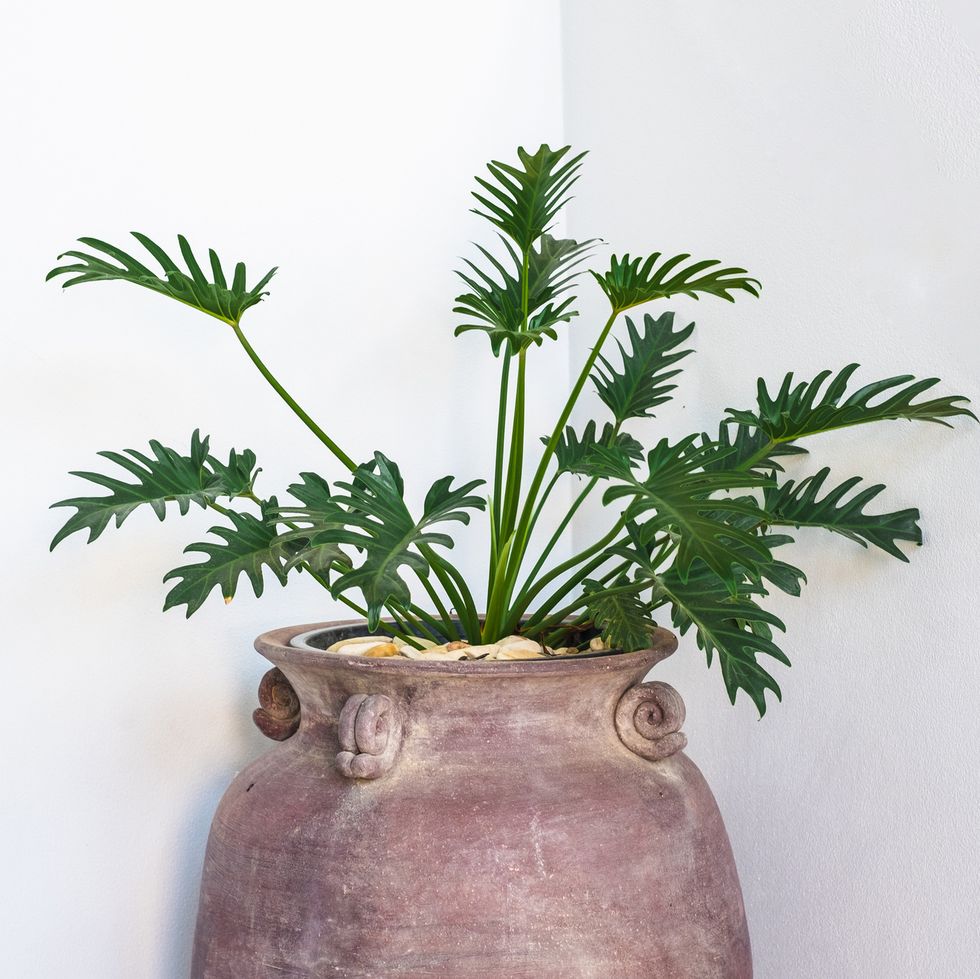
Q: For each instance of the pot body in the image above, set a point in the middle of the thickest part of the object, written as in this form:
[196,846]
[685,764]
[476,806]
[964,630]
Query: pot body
[523,819]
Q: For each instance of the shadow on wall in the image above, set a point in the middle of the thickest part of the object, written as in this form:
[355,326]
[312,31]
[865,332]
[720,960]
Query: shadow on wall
[186,874]
[190,845]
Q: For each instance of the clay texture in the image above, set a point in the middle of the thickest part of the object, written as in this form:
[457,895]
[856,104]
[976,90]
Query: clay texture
[520,820]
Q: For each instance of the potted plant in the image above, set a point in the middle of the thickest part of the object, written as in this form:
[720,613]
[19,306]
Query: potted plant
[472,778]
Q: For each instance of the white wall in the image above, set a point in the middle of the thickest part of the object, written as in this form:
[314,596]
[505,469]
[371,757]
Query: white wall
[833,149]
[337,141]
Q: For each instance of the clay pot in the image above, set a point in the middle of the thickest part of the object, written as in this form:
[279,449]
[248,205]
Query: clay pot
[519,819]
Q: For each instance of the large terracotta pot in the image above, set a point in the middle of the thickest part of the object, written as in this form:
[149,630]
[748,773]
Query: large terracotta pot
[493,820]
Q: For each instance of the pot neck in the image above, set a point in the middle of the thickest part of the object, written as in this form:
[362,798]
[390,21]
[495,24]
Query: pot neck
[554,704]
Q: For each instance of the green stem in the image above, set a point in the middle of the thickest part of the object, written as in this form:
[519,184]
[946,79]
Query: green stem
[580,499]
[498,471]
[544,496]
[563,418]
[457,591]
[405,636]
[288,398]
[525,523]
[558,637]
[416,619]
[401,619]
[434,629]
[524,599]
[465,599]
[562,613]
[468,615]
[447,620]
[515,463]
[495,610]
[556,537]
[543,611]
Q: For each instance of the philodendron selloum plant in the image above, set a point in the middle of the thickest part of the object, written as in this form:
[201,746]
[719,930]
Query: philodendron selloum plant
[695,525]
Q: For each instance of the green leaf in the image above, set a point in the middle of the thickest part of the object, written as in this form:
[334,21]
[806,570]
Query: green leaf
[630,282]
[313,491]
[522,200]
[191,287]
[496,301]
[640,385]
[786,577]
[805,409]
[748,448]
[734,627]
[163,477]
[312,542]
[623,618]
[379,523]
[247,547]
[797,505]
[646,556]
[581,455]
[678,492]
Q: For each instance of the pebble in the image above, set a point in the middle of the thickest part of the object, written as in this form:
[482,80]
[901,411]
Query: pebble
[383,649]
[508,648]
[358,645]
[488,651]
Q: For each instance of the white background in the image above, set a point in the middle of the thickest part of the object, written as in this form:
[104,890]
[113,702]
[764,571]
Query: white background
[832,150]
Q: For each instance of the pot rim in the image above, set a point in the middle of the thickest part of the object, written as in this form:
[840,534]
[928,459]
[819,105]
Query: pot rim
[277,646]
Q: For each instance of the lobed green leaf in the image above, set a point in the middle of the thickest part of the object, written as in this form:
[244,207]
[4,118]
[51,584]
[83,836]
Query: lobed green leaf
[192,287]
[247,547]
[797,504]
[164,476]
[641,382]
[734,627]
[632,281]
[808,408]
[593,455]
[677,494]
[495,303]
[523,200]
[622,617]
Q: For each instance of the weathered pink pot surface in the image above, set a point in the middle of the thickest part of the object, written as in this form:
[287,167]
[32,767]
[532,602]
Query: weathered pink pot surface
[522,819]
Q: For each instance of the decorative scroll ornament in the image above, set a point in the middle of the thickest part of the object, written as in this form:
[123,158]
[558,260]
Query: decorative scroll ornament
[278,717]
[370,732]
[649,718]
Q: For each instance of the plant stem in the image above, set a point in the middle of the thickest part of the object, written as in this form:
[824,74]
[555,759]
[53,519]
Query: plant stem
[434,630]
[556,537]
[543,611]
[494,611]
[561,614]
[288,398]
[414,618]
[524,599]
[433,560]
[544,496]
[579,500]
[515,464]
[526,522]
[457,591]
[554,638]
[468,615]
[563,418]
[498,471]
[447,619]
[404,635]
